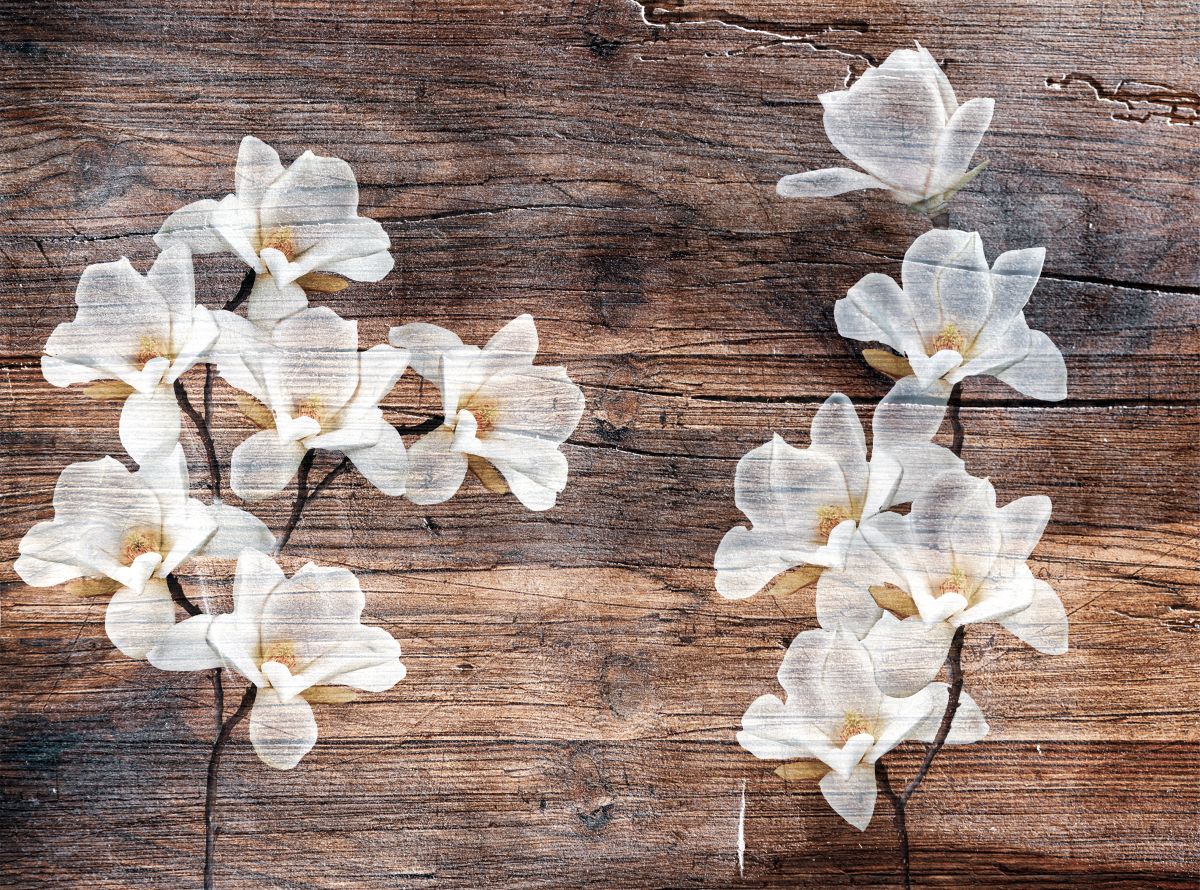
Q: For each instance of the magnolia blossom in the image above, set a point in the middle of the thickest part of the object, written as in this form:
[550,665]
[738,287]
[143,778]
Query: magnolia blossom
[836,715]
[902,124]
[318,391]
[124,533]
[955,559]
[286,222]
[805,504]
[955,317]
[290,637]
[497,407]
[145,333]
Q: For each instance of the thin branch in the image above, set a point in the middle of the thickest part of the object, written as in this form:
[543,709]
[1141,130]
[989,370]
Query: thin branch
[954,409]
[214,763]
[210,450]
[898,804]
[180,597]
[425,426]
[218,700]
[243,292]
[954,667]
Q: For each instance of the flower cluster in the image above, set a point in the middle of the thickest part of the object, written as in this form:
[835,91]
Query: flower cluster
[304,381]
[902,547]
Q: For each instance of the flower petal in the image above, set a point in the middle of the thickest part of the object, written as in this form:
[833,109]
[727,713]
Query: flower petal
[262,466]
[771,732]
[747,560]
[1042,373]
[826,183]
[384,463]
[959,141]
[270,302]
[852,797]
[185,647]
[281,733]
[877,310]
[946,275]
[907,654]
[968,726]
[435,471]
[136,620]
[837,432]
[150,424]
[237,530]
[257,167]
[1043,624]
[192,225]
[426,343]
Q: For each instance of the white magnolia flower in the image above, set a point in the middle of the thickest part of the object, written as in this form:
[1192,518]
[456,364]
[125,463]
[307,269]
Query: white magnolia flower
[805,504]
[289,637]
[144,332]
[321,393]
[836,714]
[286,222]
[955,559]
[955,317]
[132,529]
[902,124]
[497,406]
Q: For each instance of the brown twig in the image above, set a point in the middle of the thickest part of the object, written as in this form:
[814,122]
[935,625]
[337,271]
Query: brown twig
[243,292]
[206,439]
[954,409]
[180,597]
[881,776]
[214,762]
[305,495]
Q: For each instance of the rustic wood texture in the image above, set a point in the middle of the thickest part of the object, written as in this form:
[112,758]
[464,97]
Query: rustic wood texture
[574,680]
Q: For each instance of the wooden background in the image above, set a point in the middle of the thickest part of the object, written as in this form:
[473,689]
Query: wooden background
[574,680]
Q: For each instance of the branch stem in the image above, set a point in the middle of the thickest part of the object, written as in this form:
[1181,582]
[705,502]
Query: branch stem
[206,439]
[305,495]
[954,409]
[214,763]
[881,775]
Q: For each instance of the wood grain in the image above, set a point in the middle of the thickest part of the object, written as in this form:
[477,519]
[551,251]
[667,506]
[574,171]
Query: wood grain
[574,680]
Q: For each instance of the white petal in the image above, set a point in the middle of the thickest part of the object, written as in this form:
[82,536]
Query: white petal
[269,302]
[771,732]
[150,424]
[136,620]
[60,372]
[202,334]
[959,141]
[852,798]
[747,560]
[899,718]
[372,267]
[1042,373]
[317,361]
[185,647]
[257,167]
[837,431]
[237,530]
[426,344]
[947,277]
[1014,276]
[1021,525]
[968,726]
[847,675]
[282,733]
[877,310]
[781,488]
[384,464]
[907,654]
[825,183]
[40,573]
[184,533]
[435,472]
[379,369]
[534,469]
[514,346]
[538,402]
[171,275]
[843,597]
[1043,625]
[262,466]
[192,225]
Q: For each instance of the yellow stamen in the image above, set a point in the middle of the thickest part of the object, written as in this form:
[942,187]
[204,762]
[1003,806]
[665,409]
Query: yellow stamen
[948,338]
[955,582]
[486,414]
[148,348]
[282,651]
[282,240]
[853,724]
[828,518]
[310,406]
[136,542]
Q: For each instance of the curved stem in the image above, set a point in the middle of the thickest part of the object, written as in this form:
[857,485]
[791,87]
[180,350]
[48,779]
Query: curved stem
[243,292]
[180,598]
[210,450]
[305,495]
[954,409]
[214,763]
[954,668]
[898,804]
[425,426]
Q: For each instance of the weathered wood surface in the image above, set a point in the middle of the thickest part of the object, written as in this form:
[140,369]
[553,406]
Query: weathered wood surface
[574,681]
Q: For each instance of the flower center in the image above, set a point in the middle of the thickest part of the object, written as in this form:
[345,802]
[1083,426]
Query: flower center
[282,651]
[955,582]
[486,414]
[282,240]
[830,517]
[948,338]
[148,348]
[136,542]
[853,724]
[311,406]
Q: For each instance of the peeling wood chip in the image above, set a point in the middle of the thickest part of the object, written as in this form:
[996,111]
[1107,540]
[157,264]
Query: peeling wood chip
[258,413]
[328,695]
[108,391]
[322,283]
[793,580]
[487,474]
[802,771]
[895,600]
[91,586]
[894,366]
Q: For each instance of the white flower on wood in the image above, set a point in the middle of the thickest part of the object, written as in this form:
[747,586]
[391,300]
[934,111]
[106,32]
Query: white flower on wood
[292,638]
[317,391]
[498,409]
[902,124]
[955,559]
[805,504]
[144,332]
[286,222]
[955,316]
[837,718]
[119,532]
